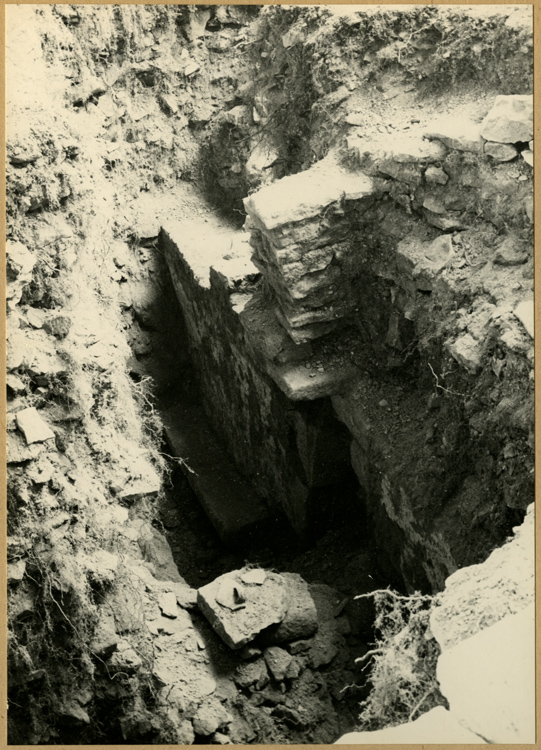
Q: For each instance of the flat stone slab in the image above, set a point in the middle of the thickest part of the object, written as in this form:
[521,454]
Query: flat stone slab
[255,606]
[235,510]
[457,133]
[307,194]
[300,383]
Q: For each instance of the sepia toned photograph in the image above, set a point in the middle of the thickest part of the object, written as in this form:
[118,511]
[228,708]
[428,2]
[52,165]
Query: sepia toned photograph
[270,374]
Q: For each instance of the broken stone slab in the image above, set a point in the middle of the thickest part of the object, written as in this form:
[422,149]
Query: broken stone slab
[457,133]
[265,605]
[494,696]
[525,313]
[500,151]
[125,659]
[18,451]
[438,726]
[398,149]
[436,175]
[33,427]
[510,120]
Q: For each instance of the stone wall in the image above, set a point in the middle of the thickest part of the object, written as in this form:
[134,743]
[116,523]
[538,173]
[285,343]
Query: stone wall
[240,354]
[396,278]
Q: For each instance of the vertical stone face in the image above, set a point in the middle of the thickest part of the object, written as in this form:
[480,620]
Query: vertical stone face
[300,234]
[272,443]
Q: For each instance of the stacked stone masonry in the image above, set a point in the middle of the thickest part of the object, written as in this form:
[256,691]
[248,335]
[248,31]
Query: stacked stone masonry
[383,239]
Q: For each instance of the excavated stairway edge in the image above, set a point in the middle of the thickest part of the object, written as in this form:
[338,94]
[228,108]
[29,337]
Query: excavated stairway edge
[235,510]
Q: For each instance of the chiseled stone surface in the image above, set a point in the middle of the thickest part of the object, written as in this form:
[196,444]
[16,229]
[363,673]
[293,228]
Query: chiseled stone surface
[305,195]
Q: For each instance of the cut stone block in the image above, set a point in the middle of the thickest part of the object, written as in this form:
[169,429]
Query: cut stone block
[510,120]
[299,383]
[307,194]
[265,605]
[33,427]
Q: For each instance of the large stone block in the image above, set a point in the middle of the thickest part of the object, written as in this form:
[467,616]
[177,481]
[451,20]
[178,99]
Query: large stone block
[510,120]
[306,195]
[239,611]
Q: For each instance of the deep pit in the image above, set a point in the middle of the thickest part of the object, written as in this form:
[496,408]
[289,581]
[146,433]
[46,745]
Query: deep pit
[270,316]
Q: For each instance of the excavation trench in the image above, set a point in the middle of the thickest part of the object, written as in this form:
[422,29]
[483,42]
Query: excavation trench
[215,519]
[277,316]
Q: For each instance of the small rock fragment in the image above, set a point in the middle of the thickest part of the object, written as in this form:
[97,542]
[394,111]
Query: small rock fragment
[298,647]
[251,673]
[249,652]
[511,252]
[33,427]
[278,661]
[104,642]
[436,175]
[15,384]
[210,716]
[59,326]
[527,155]
[500,151]
[525,313]
[257,576]
[467,352]
[168,604]
[230,594]
[15,571]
